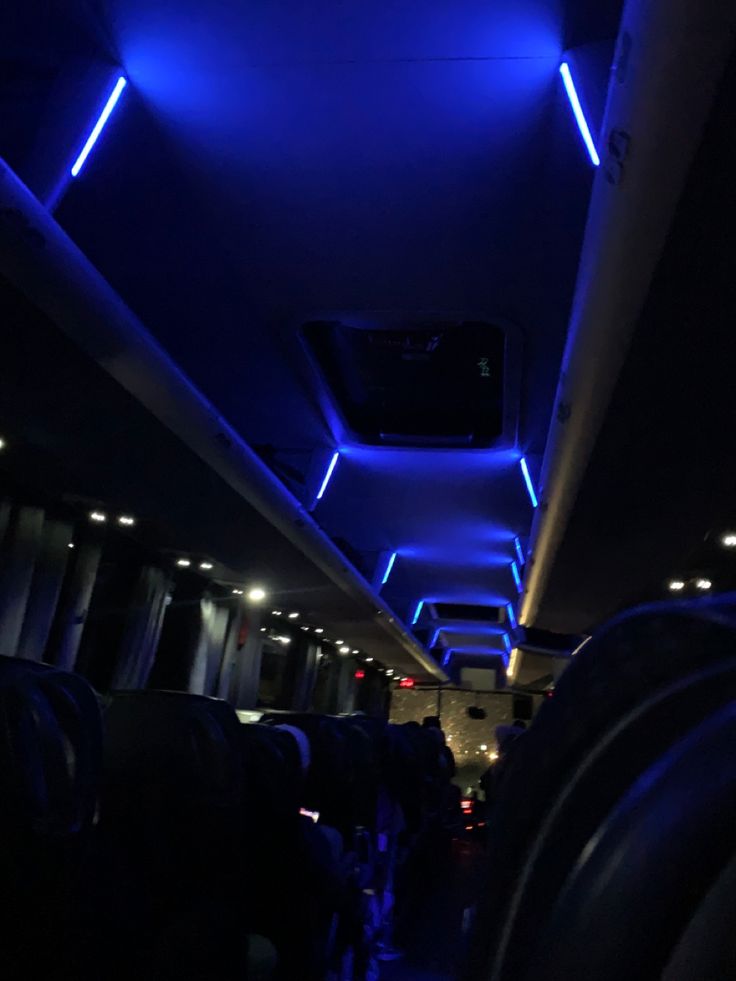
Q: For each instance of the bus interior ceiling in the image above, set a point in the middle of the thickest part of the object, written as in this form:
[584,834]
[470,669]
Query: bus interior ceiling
[359,362]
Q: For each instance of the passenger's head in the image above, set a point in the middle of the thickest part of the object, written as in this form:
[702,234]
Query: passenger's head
[431,722]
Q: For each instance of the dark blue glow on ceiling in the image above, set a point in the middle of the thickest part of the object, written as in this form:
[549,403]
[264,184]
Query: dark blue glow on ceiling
[373,158]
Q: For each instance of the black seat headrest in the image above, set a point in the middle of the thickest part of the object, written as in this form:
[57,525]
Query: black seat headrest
[50,749]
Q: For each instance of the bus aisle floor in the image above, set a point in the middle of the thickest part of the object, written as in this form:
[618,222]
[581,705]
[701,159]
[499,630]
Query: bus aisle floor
[432,935]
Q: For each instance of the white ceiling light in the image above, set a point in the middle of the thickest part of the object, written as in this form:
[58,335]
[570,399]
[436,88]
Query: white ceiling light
[257,594]
[206,566]
[275,613]
[368,660]
[390,672]
[70,545]
[126,519]
[676,585]
[344,650]
[339,641]
[99,516]
[703,584]
[356,651]
[183,563]
[2,444]
[319,630]
[729,540]
[305,629]
[293,616]
[263,630]
[237,592]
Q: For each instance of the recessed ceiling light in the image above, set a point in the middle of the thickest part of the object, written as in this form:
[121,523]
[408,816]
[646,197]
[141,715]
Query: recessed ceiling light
[2,444]
[675,585]
[368,660]
[263,630]
[183,563]
[275,613]
[729,540]
[293,616]
[257,594]
[390,671]
[703,584]
[237,592]
[339,641]
[319,630]
[126,519]
[305,629]
[70,545]
[356,651]
[344,650]
[206,566]
[99,516]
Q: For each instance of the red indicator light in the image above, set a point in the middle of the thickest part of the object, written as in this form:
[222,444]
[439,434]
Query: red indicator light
[406,683]
[360,675]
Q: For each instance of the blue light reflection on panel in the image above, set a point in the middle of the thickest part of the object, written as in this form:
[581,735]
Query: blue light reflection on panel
[516,575]
[507,643]
[519,551]
[328,474]
[99,125]
[511,616]
[435,635]
[389,567]
[417,612]
[528,481]
[578,112]
[446,659]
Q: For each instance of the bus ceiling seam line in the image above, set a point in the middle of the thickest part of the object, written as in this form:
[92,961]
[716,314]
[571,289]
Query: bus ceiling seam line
[328,474]
[528,481]
[99,125]
[577,110]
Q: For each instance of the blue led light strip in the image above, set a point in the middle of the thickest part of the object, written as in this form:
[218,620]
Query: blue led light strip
[528,480]
[328,474]
[507,643]
[515,574]
[511,616]
[99,125]
[417,612]
[519,551]
[578,112]
[389,567]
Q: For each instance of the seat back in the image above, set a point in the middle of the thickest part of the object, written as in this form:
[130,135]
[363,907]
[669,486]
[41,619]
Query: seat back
[648,866]
[50,761]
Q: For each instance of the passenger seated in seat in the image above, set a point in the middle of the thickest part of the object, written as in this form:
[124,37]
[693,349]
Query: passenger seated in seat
[506,740]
